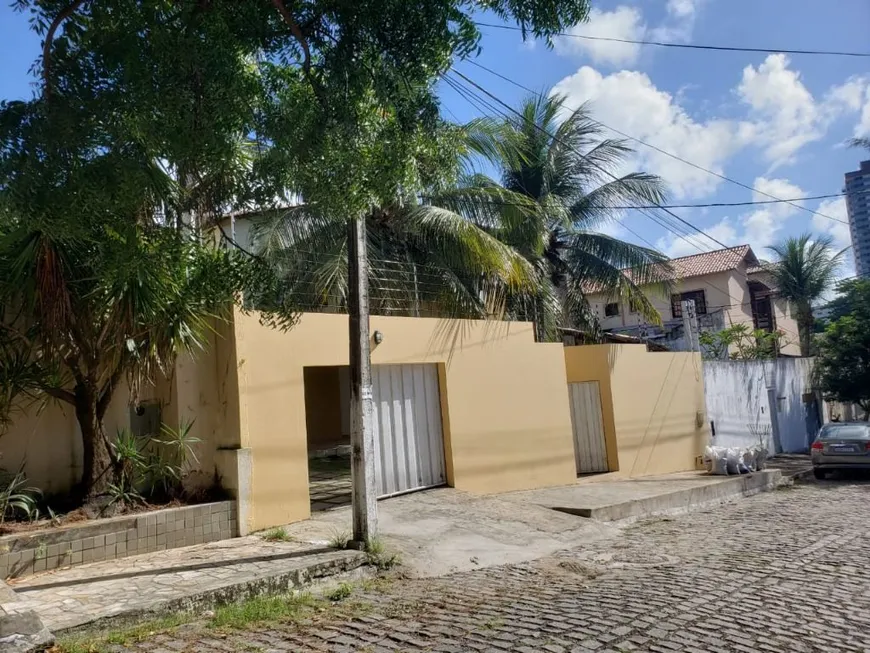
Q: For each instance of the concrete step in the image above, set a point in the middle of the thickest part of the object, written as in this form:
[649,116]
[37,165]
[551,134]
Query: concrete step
[621,500]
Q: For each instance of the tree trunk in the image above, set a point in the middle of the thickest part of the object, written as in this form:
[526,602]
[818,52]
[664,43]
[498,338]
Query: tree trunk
[96,458]
[805,329]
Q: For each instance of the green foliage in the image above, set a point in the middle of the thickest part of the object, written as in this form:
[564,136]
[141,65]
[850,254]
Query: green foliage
[339,539]
[558,183]
[264,609]
[739,342]
[154,118]
[805,269]
[277,535]
[343,591]
[843,360]
[378,556]
[151,467]
[17,499]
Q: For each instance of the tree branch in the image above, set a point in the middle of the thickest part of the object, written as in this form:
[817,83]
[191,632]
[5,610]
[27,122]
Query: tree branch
[65,13]
[61,394]
[109,389]
[296,31]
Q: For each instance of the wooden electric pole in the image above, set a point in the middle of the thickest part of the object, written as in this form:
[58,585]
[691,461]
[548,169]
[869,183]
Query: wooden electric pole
[362,442]
[690,325]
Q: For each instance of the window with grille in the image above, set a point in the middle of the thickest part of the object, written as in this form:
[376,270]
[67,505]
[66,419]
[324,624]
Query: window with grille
[696,295]
[611,309]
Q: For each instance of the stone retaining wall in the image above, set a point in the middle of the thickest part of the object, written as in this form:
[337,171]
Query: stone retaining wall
[118,537]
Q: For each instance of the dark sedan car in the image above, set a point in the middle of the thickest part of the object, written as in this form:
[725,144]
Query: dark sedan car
[841,446]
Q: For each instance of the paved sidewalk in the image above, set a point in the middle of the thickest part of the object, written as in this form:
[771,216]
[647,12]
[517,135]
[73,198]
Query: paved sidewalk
[176,579]
[781,572]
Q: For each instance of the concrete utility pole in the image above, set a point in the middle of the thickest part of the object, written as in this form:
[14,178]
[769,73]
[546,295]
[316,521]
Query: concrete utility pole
[362,437]
[690,324]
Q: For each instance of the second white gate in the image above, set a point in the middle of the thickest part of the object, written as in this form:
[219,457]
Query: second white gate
[590,453]
[409,443]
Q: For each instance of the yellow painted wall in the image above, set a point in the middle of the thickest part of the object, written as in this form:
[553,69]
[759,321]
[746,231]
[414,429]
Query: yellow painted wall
[507,425]
[650,402]
[48,441]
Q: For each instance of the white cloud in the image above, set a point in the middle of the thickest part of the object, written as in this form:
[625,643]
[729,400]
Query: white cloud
[781,189]
[682,8]
[759,228]
[627,23]
[621,23]
[835,208]
[785,114]
[630,102]
[675,246]
[680,22]
[863,126]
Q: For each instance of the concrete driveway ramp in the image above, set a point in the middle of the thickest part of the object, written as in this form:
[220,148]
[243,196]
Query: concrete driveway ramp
[630,499]
[443,531]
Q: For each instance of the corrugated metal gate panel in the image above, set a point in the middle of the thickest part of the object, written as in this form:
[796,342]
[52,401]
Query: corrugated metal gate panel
[409,447]
[590,453]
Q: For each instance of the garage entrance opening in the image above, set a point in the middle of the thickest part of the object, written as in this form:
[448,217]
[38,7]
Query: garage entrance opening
[409,442]
[327,422]
[590,451]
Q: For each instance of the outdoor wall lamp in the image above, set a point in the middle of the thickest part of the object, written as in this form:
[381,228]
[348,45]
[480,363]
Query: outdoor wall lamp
[379,337]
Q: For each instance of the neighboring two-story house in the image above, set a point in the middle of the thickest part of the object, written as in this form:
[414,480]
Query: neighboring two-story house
[729,287]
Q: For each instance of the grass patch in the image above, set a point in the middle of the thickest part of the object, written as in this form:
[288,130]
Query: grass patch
[262,609]
[277,535]
[378,556]
[339,539]
[102,642]
[341,592]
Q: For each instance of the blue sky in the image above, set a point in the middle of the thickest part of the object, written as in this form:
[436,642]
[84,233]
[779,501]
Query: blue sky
[774,122]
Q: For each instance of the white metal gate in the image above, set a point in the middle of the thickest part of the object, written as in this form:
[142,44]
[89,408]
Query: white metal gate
[590,453]
[409,444]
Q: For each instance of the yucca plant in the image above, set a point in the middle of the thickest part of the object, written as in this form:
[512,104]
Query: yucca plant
[17,499]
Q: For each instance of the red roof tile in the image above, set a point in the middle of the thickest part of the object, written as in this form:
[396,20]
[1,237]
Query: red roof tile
[720,260]
[696,265]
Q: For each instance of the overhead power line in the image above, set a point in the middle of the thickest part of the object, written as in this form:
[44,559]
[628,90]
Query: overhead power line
[486,107]
[628,207]
[688,46]
[595,165]
[671,154]
[470,97]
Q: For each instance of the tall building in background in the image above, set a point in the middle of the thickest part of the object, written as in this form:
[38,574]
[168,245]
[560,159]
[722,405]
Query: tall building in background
[858,205]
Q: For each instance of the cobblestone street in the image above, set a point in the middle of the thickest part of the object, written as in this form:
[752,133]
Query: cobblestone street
[785,571]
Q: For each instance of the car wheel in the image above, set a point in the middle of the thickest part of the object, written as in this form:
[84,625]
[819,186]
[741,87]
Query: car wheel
[820,474]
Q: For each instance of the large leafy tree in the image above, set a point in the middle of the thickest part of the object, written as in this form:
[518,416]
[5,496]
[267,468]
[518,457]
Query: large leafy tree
[424,259]
[155,117]
[557,184]
[84,307]
[804,270]
[843,359]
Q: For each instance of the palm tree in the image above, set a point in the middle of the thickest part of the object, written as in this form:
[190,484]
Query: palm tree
[558,183]
[860,142]
[805,269]
[423,261]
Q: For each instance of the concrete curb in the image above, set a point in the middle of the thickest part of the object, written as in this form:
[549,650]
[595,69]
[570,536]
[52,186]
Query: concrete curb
[315,576]
[681,501]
